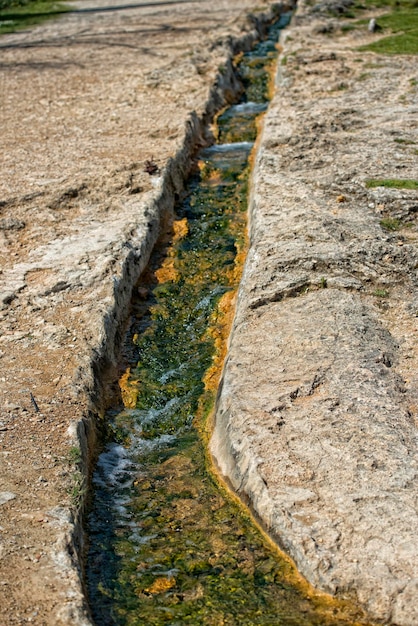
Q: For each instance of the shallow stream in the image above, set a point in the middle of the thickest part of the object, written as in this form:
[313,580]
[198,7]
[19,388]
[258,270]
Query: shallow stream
[168,543]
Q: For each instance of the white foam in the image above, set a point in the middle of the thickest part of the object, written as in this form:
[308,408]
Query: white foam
[149,445]
[152,415]
[228,147]
[248,107]
[114,466]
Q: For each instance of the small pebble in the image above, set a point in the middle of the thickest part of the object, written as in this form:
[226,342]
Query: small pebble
[6,496]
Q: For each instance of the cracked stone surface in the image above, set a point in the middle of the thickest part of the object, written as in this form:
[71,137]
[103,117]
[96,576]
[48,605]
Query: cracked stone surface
[87,102]
[316,423]
[317,416]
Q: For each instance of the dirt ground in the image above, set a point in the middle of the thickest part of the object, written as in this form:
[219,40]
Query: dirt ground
[85,102]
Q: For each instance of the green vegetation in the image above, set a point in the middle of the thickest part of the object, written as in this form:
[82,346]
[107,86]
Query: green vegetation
[406,142]
[381,293]
[390,223]
[176,341]
[394,183]
[400,24]
[237,124]
[8,4]
[254,71]
[395,5]
[18,14]
[74,455]
[405,43]
[77,488]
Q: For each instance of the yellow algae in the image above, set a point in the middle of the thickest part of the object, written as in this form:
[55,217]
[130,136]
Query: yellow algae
[180,229]
[219,330]
[160,585]
[215,177]
[167,271]
[271,70]
[129,389]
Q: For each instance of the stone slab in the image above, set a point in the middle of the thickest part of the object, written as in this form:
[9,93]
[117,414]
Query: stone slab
[316,421]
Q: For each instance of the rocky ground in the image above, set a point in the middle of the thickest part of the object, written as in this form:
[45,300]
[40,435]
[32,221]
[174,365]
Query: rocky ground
[324,446]
[96,136]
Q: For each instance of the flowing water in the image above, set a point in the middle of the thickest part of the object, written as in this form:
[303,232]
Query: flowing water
[168,544]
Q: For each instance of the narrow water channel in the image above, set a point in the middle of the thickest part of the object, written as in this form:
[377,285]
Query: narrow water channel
[168,545]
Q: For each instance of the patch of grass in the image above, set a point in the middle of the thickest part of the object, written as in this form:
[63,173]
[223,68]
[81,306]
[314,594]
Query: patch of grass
[323,283]
[400,19]
[407,43]
[347,28]
[17,15]
[382,4]
[390,223]
[402,141]
[74,455]
[393,183]
[77,490]
[381,293]
[402,23]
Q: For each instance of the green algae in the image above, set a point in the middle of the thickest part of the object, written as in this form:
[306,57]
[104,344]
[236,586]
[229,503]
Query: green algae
[175,351]
[239,123]
[187,575]
[168,543]
[255,70]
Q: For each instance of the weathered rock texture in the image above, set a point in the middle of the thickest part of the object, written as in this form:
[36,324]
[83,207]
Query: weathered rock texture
[316,423]
[85,102]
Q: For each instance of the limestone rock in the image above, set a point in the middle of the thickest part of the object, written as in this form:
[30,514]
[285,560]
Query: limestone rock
[316,419]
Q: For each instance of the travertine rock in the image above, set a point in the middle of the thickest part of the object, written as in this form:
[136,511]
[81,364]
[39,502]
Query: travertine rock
[316,422]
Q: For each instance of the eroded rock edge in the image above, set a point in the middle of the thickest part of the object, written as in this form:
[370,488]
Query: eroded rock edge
[315,424]
[94,374]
